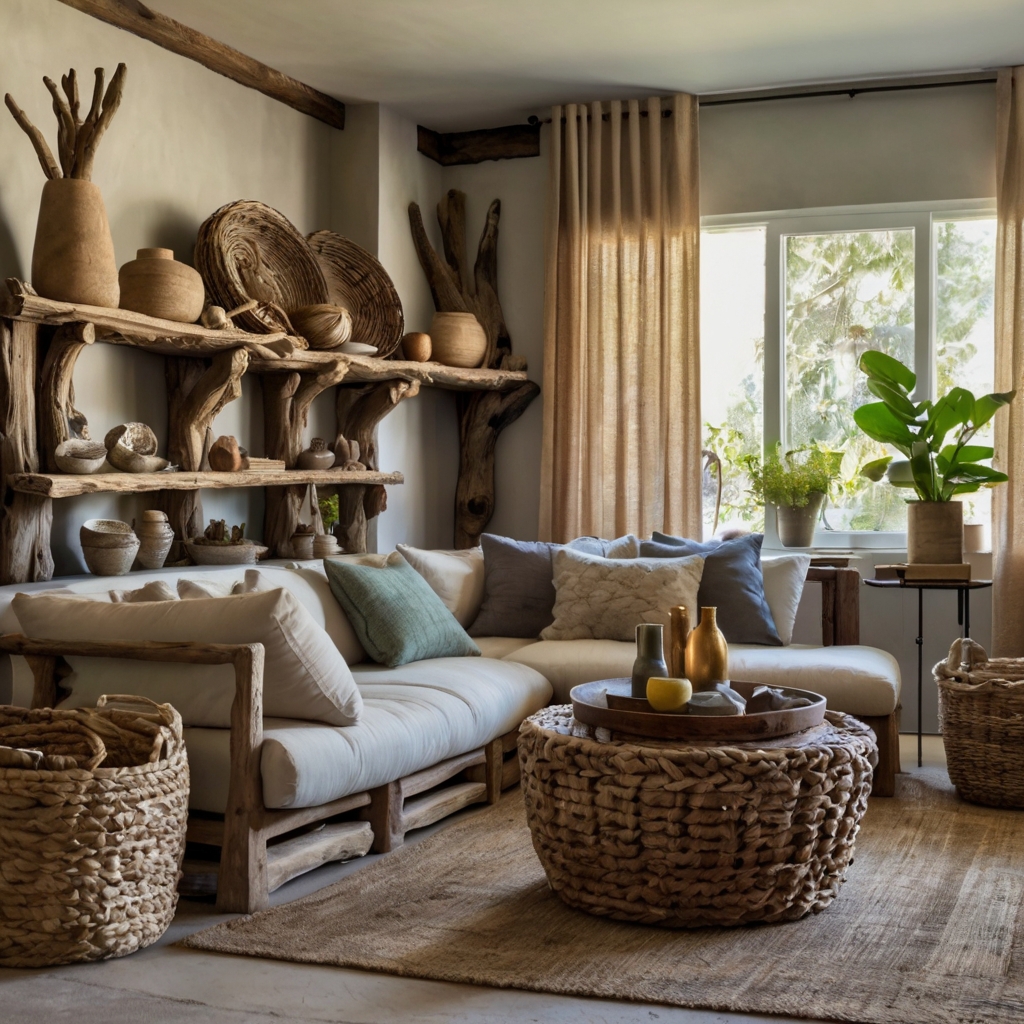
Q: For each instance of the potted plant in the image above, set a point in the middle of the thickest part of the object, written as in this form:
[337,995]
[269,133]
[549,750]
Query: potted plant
[937,469]
[796,484]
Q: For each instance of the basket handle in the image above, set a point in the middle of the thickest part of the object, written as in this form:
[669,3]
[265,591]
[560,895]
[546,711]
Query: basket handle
[165,741]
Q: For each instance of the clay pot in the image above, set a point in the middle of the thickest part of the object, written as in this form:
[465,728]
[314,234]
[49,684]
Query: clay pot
[458,339]
[707,653]
[79,456]
[325,545]
[323,326]
[316,456]
[796,525]
[417,347]
[156,535]
[302,546]
[109,546]
[156,284]
[73,258]
[935,532]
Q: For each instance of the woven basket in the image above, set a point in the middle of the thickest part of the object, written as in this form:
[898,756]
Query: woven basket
[683,836]
[981,718]
[92,837]
[247,250]
[357,280]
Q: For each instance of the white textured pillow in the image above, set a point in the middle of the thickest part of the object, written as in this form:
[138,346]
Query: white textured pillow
[155,590]
[784,579]
[627,546]
[607,598]
[253,582]
[304,674]
[457,577]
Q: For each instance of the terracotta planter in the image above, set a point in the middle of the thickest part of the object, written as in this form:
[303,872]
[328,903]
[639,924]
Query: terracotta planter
[457,339]
[73,258]
[156,284]
[707,653]
[935,532]
[796,525]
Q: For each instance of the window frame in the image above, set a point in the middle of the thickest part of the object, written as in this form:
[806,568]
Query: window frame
[778,225]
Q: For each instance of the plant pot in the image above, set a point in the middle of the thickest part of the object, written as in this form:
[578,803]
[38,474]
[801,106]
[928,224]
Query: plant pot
[73,257]
[458,339]
[796,525]
[935,532]
[156,284]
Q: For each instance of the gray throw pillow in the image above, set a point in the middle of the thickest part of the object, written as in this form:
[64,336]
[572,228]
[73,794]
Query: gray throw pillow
[519,594]
[395,614]
[732,582]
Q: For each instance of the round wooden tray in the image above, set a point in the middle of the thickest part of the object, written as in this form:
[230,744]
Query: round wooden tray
[700,728]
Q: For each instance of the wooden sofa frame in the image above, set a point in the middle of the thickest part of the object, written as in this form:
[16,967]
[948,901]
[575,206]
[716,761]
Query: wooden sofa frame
[251,866]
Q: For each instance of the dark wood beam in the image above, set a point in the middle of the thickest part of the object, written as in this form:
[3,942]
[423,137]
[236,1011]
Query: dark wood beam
[140,20]
[508,143]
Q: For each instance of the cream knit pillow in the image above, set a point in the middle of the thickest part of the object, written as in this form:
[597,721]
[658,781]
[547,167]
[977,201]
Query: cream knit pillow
[607,598]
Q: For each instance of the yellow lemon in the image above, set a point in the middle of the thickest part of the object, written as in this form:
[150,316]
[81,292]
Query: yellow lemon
[668,694]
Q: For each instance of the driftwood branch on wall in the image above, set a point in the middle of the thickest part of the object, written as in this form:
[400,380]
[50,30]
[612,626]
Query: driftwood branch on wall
[140,20]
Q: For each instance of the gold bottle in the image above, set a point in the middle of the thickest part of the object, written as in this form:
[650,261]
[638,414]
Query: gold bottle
[678,631]
[707,653]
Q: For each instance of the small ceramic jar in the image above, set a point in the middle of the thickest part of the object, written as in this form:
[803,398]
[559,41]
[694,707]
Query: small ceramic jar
[156,284]
[316,456]
[156,535]
[302,546]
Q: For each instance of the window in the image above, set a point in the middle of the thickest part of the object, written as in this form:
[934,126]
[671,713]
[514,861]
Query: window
[789,303]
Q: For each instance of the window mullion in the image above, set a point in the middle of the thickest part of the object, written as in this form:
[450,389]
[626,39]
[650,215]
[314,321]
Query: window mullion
[924,307]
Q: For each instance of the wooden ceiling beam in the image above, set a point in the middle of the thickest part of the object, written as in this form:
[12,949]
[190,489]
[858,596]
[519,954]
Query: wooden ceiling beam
[508,143]
[137,18]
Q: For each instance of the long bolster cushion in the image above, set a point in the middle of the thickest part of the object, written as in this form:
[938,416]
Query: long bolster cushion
[854,679]
[413,716]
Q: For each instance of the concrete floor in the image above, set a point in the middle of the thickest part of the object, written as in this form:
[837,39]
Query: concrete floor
[168,985]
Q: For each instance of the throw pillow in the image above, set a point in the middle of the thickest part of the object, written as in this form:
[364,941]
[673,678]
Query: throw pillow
[732,582]
[304,676]
[784,578]
[622,547]
[155,590]
[395,614]
[607,598]
[253,582]
[519,594]
[457,577]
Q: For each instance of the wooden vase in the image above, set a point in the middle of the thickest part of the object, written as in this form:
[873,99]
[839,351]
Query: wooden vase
[457,339]
[935,532]
[73,257]
[678,632]
[707,653]
[156,284]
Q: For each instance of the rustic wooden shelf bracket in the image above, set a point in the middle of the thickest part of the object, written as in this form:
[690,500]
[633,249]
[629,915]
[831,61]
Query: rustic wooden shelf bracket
[59,420]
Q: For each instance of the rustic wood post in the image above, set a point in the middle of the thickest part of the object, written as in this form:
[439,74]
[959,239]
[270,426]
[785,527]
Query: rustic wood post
[59,420]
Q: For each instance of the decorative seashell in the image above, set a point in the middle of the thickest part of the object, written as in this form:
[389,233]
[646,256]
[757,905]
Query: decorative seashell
[79,456]
[322,325]
[123,458]
[136,437]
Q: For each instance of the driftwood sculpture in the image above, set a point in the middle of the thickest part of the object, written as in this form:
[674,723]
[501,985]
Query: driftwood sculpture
[483,414]
[77,139]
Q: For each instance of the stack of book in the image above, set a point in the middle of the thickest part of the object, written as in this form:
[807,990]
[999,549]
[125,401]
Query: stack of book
[924,572]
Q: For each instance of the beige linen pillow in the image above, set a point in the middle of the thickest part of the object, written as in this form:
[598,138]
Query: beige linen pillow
[457,577]
[784,578]
[304,677]
[607,598]
[155,590]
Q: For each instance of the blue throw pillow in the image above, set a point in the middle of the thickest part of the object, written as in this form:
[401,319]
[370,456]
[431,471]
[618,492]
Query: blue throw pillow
[395,614]
[519,595]
[732,582]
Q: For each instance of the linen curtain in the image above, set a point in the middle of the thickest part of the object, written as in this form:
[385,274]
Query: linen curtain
[622,446]
[1008,498]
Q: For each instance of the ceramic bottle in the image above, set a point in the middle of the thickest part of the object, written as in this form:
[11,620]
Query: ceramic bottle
[707,653]
[650,657]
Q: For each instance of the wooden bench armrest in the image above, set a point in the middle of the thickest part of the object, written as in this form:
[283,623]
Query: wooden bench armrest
[840,603]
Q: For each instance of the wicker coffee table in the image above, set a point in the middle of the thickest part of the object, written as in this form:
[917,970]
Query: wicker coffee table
[688,835]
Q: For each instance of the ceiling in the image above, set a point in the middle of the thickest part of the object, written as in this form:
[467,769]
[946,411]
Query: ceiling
[457,64]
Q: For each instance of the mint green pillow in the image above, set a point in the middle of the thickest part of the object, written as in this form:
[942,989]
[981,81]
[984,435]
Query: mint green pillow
[395,614]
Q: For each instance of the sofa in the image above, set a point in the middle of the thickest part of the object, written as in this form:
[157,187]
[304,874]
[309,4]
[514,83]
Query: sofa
[433,736]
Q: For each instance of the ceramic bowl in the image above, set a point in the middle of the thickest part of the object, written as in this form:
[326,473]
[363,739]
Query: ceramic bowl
[109,546]
[245,553]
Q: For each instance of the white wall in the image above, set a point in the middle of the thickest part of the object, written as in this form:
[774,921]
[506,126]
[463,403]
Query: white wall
[184,142]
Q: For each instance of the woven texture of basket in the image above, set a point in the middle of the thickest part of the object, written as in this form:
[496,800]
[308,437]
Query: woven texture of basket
[684,836]
[981,718]
[247,250]
[92,837]
[357,280]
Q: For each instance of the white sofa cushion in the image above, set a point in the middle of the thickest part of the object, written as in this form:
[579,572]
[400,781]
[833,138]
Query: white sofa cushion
[457,577]
[413,716]
[304,674]
[784,578]
[501,646]
[854,679]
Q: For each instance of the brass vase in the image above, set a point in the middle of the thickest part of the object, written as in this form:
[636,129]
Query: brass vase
[707,653]
[678,631]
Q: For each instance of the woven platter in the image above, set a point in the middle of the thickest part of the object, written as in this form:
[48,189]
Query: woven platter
[357,280]
[247,250]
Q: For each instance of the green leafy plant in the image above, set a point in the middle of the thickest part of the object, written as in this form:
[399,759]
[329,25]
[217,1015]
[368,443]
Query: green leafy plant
[329,511]
[937,470]
[789,479]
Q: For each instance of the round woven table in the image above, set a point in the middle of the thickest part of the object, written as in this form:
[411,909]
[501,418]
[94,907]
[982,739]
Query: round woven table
[689,835]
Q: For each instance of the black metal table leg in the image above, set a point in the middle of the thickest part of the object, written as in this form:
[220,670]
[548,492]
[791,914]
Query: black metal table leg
[920,675]
[967,611]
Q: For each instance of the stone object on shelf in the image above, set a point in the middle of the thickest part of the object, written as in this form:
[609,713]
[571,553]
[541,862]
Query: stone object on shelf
[77,455]
[324,326]
[347,455]
[316,456]
[417,347]
[225,455]
[156,284]
[131,448]
[217,318]
[109,546]
[457,339]
[155,539]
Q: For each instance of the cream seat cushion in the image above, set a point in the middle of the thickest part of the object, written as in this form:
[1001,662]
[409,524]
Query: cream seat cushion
[413,716]
[857,680]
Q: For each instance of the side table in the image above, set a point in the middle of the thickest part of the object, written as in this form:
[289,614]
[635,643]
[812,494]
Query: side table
[963,590]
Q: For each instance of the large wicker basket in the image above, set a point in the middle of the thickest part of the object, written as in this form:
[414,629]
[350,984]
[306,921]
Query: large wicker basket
[981,717]
[93,809]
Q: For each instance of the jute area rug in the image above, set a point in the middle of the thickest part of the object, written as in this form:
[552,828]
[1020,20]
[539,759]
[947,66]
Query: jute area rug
[927,928]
